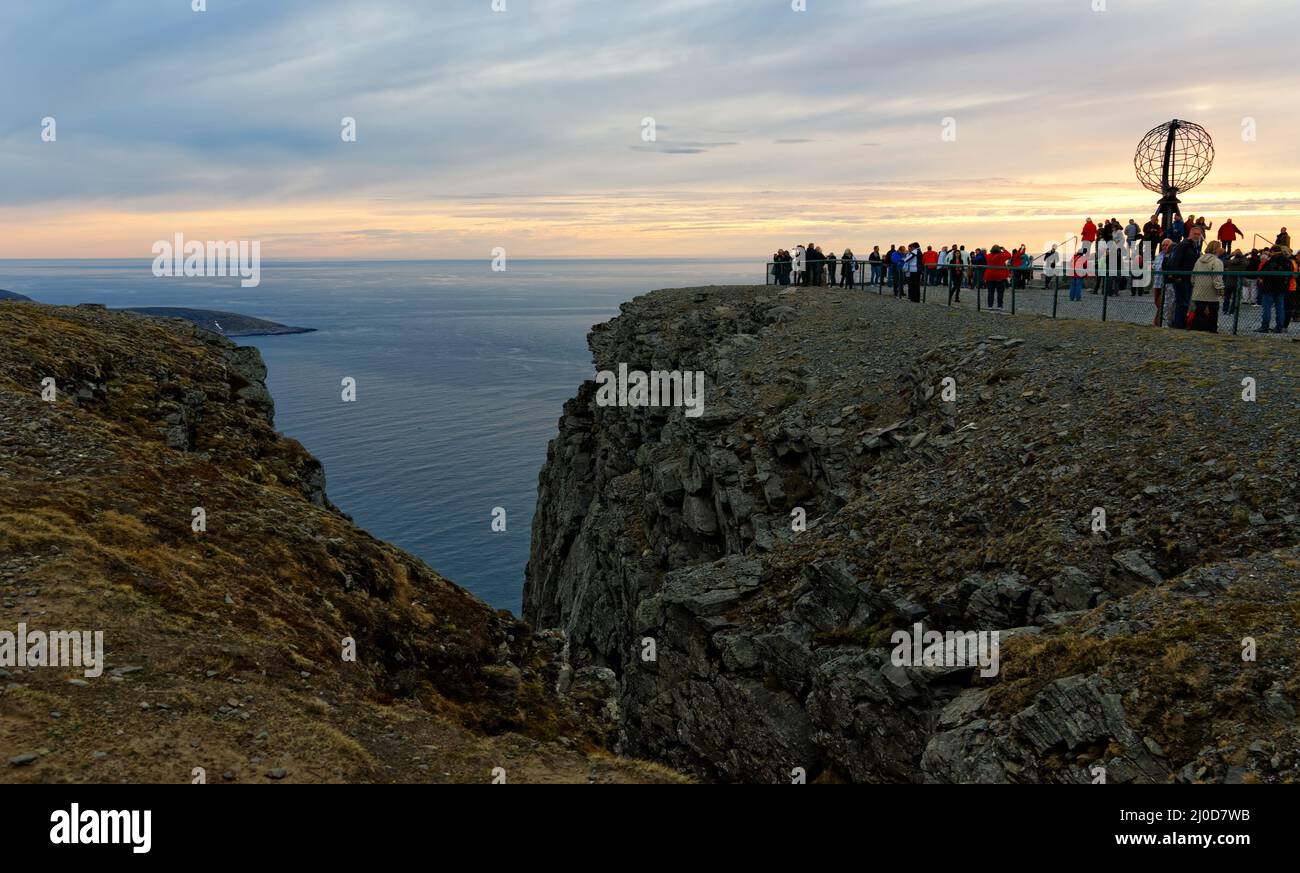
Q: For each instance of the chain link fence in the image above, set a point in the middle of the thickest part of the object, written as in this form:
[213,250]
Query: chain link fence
[1245,306]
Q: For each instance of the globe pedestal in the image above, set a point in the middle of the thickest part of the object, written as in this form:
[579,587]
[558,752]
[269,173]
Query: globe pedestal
[1168,207]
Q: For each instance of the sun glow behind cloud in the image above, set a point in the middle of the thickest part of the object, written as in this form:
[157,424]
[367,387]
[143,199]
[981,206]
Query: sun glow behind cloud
[523,129]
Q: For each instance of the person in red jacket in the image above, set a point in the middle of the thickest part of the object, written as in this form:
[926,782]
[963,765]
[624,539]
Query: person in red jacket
[931,260]
[1228,235]
[1089,235]
[997,274]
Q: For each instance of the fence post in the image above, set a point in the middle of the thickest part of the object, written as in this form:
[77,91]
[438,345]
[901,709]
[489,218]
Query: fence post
[1056,293]
[1013,293]
[1105,298]
[1236,306]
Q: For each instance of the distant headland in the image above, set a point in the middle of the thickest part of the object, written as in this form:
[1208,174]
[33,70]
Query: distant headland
[228,324]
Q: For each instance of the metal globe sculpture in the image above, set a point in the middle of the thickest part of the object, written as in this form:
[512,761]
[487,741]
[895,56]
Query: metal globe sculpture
[1172,159]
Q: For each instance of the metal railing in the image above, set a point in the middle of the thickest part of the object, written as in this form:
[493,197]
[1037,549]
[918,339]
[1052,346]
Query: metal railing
[1095,294]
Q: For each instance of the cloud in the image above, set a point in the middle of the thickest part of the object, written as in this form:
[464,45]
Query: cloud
[681,148]
[162,111]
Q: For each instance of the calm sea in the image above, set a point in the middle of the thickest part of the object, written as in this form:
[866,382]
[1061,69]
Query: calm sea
[461,374]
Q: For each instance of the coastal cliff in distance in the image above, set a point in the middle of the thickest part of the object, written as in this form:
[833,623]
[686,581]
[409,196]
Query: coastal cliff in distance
[228,324]
[1106,496]
[226,646]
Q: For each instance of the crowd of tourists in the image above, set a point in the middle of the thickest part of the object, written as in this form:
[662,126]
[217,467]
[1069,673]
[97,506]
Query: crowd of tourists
[1194,278]
[907,268]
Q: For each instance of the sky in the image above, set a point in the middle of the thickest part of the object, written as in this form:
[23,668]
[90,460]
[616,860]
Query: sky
[529,129]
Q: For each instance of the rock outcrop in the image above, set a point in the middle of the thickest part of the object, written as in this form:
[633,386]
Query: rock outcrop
[1099,494]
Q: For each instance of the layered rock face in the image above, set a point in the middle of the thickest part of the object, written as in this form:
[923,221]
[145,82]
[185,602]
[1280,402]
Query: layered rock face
[1104,496]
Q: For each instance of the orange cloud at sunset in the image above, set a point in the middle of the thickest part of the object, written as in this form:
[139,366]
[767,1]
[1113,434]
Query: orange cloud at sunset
[707,223]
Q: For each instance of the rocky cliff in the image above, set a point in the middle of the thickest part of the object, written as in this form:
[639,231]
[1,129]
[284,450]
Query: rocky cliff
[1112,499]
[227,641]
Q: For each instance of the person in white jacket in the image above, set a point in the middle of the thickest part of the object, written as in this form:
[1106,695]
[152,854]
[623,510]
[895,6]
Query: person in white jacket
[798,265]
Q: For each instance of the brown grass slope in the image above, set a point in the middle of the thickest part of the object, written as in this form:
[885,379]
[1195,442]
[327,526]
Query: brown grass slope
[224,647]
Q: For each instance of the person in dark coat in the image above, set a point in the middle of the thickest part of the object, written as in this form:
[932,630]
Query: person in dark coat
[896,270]
[1183,259]
[1276,286]
[1232,287]
[956,266]
[1151,232]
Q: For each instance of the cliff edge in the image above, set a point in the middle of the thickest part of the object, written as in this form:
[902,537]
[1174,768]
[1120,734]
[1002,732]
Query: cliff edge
[1121,504]
[145,493]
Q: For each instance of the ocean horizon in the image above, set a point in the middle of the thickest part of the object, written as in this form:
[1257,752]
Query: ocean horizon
[461,377]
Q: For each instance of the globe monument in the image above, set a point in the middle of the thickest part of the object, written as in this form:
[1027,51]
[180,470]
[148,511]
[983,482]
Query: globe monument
[1172,159]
